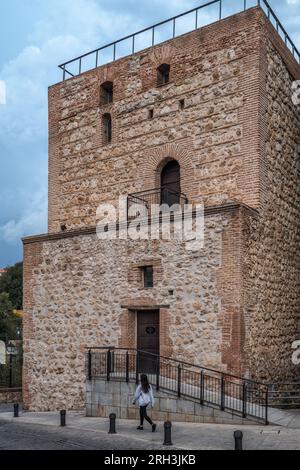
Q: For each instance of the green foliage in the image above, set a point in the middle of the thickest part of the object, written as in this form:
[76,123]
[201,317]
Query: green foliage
[10,323]
[11,282]
[6,306]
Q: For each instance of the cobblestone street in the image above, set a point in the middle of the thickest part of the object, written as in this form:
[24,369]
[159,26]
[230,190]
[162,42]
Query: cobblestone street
[17,436]
[41,431]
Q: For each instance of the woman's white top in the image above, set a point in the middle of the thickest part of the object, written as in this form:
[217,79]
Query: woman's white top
[144,399]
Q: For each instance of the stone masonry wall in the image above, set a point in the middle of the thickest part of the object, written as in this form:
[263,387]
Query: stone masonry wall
[236,302]
[215,138]
[274,256]
[83,295]
[116,397]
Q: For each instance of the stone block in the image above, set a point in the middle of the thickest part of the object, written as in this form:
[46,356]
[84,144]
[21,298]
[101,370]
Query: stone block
[116,387]
[125,400]
[124,412]
[210,420]
[88,398]
[168,405]
[104,399]
[116,399]
[99,386]
[198,419]
[102,411]
[157,405]
[203,410]
[180,418]
[185,407]
[88,411]
[159,416]
[113,409]
[127,389]
[96,411]
[133,413]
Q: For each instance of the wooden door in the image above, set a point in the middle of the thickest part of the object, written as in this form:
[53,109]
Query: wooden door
[148,340]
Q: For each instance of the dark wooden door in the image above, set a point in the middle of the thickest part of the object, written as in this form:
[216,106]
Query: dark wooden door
[170,183]
[148,340]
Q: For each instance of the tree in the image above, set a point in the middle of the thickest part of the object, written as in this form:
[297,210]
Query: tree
[10,323]
[6,307]
[11,282]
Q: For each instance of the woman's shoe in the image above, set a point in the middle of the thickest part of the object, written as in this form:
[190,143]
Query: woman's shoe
[153,427]
[140,428]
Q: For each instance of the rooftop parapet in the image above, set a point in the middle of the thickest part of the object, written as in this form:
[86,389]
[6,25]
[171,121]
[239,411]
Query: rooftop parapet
[169,29]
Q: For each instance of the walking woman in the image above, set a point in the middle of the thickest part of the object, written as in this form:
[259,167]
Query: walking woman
[144,397]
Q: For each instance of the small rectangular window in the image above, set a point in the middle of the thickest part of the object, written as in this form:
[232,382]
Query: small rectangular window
[106,93]
[151,113]
[107,128]
[163,74]
[147,272]
[181,104]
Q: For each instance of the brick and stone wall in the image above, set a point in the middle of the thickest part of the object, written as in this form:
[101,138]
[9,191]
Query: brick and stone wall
[274,255]
[10,395]
[83,294]
[215,138]
[116,397]
[235,302]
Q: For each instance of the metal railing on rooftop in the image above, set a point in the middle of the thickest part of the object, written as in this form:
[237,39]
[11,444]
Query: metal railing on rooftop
[110,52]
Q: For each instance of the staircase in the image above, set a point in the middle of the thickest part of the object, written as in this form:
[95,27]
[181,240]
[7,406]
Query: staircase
[285,395]
[227,393]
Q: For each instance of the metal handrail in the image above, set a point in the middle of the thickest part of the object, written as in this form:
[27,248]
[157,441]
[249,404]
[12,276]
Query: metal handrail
[156,191]
[189,364]
[153,198]
[231,393]
[261,3]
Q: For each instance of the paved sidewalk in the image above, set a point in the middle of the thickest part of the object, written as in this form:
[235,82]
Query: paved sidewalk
[185,436]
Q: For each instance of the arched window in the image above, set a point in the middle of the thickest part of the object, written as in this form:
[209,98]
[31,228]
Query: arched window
[170,183]
[107,128]
[163,74]
[106,93]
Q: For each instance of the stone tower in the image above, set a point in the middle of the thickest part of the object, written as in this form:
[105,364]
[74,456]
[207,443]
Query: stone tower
[209,115]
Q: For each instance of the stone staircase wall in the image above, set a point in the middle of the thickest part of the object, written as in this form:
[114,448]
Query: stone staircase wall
[103,398]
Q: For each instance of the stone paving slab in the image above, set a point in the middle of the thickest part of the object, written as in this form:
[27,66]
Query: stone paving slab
[187,436]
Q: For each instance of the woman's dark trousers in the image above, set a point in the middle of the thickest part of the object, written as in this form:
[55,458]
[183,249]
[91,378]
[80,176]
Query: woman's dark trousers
[143,415]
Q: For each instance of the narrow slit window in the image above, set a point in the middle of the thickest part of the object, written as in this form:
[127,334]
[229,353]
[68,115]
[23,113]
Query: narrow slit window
[151,114]
[107,128]
[181,104]
[106,93]
[148,279]
[163,74]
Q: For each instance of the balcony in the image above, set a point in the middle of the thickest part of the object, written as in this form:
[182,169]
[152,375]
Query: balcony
[148,203]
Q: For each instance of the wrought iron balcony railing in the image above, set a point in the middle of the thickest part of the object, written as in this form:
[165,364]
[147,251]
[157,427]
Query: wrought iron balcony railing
[180,24]
[149,203]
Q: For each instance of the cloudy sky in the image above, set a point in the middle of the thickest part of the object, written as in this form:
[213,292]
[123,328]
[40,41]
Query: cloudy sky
[35,36]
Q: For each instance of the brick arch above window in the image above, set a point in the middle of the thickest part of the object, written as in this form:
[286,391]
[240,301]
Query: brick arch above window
[162,54]
[155,159]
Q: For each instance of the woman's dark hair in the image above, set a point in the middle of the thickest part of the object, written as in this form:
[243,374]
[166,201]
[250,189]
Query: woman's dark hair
[145,383]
